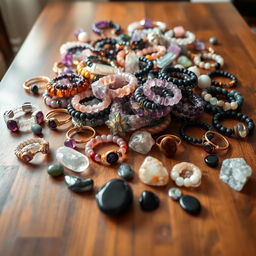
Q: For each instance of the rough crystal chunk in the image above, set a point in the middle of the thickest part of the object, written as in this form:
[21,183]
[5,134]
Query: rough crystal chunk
[131,62]
[72,159]
[235,172]
[141,142]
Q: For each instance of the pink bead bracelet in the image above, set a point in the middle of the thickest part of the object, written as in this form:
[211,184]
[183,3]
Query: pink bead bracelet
[155,52]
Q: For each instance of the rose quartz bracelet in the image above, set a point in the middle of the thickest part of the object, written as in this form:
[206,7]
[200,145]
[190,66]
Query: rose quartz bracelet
[120,58]
[115,86]
[165,101]
[89,108]
[110,157]
[155,52]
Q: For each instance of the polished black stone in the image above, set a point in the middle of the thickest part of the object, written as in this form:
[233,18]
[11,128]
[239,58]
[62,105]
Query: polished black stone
[77,184]
[112,157]
[149,201]
[190,204]
[212,160]
[115,197]
[125,171]
[34,89]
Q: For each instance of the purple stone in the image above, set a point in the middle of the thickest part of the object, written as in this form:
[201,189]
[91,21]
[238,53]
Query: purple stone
[175,49]
[199,45]
[71,143]
[67,70]
[52,124]
[78,31]
[147,23]
[12,125]
[67,59]
[27,158]
[39,117]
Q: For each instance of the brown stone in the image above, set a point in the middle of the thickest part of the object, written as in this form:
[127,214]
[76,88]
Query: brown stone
[168,146]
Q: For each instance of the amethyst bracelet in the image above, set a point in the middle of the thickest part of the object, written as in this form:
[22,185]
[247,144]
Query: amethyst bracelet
[55,102]
[99,27]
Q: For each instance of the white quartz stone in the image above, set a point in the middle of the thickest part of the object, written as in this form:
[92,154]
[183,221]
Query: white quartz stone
[204,81]
[72,159]
[235,172]
[152,172]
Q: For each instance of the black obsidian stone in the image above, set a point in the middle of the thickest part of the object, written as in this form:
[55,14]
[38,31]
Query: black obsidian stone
[115,197]
[208,148]
[149,201]
[34,89]
[190,204]
[125,171]
[77,184]
[112,157]
[212,160]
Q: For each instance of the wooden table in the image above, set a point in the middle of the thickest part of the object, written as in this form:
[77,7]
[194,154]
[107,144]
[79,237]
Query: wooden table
[40,216]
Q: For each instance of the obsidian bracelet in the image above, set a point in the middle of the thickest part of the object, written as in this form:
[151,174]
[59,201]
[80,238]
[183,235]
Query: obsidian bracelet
[240,130]
[213,105]
[221,73]
[100,43]
[90,60]
[144,71]
[134,45]
[190,139]
[183,78]
[74,79]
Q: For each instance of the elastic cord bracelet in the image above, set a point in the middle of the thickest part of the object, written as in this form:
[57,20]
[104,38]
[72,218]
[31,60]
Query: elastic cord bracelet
[99,27]
[221,73]
[149,66]
[152,52]
[219,61]
[55,102]
[189,38]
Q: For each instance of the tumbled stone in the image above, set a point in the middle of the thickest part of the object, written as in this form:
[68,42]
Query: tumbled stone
[174,193]
[213,40]
[184,61]
[149,201]
[115,197]
[141,142]
[190,204]
[36,129]
[212,160]
[125,171]
[152,172]
[78,184]
[235,172]
[55,170]
[72,159]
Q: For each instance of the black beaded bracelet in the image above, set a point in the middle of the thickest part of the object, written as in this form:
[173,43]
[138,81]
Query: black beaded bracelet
[190,139]
[144,71]
[90,60]
[221,73]
[134,45]
[99,27]
[74,79]
[183,78]
[239,130]
[78,48]
[213,105]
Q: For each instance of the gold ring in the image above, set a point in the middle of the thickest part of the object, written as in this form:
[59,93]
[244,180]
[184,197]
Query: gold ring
[31,85]
[52,122]
[168,144]
[211,147]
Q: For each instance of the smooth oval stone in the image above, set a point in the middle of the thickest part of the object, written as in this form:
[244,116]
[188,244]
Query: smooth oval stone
[55,170]
[212,160]
[36,129]
[125,171]
[115,197]
[149,201]
[213,40]
[72,159]
[190,204]
[78,184]
[174,193]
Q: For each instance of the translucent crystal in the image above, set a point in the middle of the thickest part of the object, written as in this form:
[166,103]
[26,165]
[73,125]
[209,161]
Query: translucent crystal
[235,172]
[131,62]
[72,159]
[102,69]
[141,142]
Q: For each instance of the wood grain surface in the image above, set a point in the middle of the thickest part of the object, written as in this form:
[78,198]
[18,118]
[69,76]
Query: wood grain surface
[40,216]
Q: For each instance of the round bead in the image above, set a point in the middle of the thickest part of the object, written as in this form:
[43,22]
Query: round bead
[55,170]
[204,81]
[179,181]
[226,106]
[112,157]
[213,101]
[83,37]
[195,70]
[174,193]
[36,129]
[207,97]
[213,40]
[220,103]
[234,105]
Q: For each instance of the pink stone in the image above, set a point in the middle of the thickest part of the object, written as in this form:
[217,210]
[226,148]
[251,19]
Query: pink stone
[12,125]
[97,158]
[179,31]
[71,143]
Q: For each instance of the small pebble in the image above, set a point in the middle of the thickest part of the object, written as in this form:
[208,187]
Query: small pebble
[190,204]
[212,160]
[125,171]
[149,201]
[174,193]
[78,184]
[55,170]
[213,40]
[36,129]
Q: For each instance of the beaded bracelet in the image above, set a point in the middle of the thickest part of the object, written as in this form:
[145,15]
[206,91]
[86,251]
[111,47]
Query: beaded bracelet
[74,47]
[111,157]
[213,105]
[99,27]
[60,69]
[189,38]
[152,52]
[183,78]
[56,102]
[137,44]
[93,122]
[221,73]
[149,65]
[107,46]
[164,101]
[89,109]
[90,60]
[67,85]
[240,130]
[36,84]
[190,139]
[191,106]
[14,121]
[207,65]
[115,86]
[26,150]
